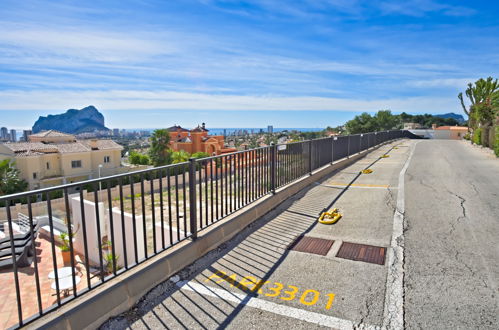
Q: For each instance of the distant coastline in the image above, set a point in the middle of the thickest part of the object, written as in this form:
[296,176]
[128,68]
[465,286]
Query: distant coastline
[217,131]
[229,130]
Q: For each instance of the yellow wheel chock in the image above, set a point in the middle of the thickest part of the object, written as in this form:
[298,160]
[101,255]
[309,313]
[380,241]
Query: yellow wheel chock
[368,171]
[385,156]
[328,218]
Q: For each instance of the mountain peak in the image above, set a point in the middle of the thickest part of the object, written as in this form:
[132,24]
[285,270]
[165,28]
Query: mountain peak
[452,115]
[73,121]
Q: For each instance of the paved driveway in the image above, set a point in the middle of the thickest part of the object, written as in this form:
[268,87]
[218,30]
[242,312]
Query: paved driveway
[435,232]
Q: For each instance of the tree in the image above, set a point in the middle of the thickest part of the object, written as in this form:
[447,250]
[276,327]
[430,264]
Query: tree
[386,121]
[10,182]
[159,152]
[480,95]
[485,112]
[179,156]
[136,158]
[495,104]
[362,123]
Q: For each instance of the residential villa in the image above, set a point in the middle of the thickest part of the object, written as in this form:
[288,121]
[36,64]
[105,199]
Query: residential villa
[442,132]
[452,132]
[51,158]
[197,140]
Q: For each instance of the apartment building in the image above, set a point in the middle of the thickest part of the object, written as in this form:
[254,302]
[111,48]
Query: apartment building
[51,158]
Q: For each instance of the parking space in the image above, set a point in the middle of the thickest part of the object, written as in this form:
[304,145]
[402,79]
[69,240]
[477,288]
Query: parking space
[256,281]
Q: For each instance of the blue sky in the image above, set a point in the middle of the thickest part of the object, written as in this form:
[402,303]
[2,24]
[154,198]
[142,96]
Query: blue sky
[300,63]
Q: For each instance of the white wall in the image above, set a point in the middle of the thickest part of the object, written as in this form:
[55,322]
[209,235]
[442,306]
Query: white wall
[441,134]
[129,241]
[90,226]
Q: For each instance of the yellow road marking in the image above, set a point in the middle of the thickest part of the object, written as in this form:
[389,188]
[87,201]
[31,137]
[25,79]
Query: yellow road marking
[307,297]
[358,185]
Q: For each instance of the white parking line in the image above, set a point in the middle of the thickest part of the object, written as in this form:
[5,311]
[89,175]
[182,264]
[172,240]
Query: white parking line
[393,317]
[288,311]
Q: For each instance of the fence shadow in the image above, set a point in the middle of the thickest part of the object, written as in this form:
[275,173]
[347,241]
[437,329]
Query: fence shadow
[211,296]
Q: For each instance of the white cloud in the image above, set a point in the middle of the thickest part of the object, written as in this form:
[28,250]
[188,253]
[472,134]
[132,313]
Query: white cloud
[459,83]
[38,43]
[151,100]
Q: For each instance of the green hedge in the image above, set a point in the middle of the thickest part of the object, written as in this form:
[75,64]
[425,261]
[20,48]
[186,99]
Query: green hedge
[477,136]
[496,144]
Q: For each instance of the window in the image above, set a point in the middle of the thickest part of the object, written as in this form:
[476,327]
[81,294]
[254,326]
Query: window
[76,163]
[107,159]
[48,166]
[34,175]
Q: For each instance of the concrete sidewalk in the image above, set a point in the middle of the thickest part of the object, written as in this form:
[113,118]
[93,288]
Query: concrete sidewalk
[254,281]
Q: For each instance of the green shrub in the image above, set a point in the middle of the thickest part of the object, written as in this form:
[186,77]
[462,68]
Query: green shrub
[477,136]
[136,158]
[496,144]
[200,154]
[467,136]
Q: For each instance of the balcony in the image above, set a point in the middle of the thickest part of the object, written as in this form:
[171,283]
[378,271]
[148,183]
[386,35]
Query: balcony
[71,244]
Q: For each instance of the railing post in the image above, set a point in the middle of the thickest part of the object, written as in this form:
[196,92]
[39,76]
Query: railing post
[348,146]
[192,198]
[360,143]
[310,157]
[273,167]
[332,149]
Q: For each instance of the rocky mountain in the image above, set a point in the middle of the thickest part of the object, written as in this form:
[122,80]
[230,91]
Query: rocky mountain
[73,121]
[452,115]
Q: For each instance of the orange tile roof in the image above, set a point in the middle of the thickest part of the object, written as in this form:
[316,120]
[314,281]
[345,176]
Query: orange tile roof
[453,128]
[52,133]
[25,149]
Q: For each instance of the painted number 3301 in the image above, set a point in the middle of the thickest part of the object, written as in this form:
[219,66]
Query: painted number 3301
[276,289]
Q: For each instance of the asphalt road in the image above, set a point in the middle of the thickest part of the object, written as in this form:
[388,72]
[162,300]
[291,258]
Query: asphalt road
[451,237]
[442,262]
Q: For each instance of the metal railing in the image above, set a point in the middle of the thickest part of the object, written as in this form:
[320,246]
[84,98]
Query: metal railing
[83,234]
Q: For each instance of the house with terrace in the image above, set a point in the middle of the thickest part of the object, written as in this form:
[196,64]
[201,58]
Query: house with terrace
[197,140]
[52,158]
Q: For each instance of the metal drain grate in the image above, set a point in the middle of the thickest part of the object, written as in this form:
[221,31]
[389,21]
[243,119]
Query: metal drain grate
[311,245]
[361,252]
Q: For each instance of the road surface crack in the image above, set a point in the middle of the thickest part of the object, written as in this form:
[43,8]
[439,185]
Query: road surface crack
[474,187]
[364,316]
[463,215]
[390,200]
[421,182]
[458,259]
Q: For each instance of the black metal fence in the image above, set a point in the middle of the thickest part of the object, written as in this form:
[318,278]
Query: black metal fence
[77,241]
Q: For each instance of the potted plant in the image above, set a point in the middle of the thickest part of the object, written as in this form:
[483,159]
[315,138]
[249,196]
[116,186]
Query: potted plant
[66,246]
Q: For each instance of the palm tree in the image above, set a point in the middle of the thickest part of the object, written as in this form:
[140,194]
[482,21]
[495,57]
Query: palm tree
[160,147]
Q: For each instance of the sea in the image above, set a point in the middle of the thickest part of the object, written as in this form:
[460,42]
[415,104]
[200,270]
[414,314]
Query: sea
[237,130]
[220,131]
